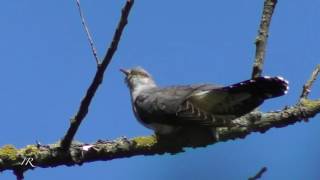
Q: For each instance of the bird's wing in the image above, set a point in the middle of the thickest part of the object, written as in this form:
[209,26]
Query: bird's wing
[170,106]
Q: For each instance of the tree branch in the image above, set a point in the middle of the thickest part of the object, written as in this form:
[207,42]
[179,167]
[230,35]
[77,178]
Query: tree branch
[79,153]
[261,39]
[307,87]
[19,174]
[86,29]
[85,103]
[259,174]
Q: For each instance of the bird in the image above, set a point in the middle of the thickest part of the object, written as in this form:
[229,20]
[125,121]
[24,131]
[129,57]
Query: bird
[165,110]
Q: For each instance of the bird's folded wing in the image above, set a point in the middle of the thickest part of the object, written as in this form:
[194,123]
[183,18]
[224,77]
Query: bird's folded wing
[170,106]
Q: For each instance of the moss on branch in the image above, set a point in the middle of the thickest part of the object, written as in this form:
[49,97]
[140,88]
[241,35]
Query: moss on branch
[52,155]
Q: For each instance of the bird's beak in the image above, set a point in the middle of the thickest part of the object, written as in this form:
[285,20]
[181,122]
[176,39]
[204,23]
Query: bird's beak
[124,71]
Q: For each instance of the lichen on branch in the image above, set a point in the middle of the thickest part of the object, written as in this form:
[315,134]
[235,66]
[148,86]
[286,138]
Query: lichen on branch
[104,150]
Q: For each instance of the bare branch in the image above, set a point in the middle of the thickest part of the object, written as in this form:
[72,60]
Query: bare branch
[259,174]
[261,39]
[84,106]
[79,153]
[307,87]
[117,35]
[19,174]
[93,48]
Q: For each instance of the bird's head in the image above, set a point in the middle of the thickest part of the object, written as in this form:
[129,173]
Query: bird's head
[138,78]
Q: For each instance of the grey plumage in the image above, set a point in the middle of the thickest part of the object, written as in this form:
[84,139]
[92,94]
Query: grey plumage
[166,109]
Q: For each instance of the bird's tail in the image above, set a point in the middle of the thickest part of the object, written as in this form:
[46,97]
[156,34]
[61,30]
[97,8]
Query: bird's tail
[238,99]
[264,87]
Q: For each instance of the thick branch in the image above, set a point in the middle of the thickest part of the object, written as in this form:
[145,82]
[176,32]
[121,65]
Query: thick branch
[261,39]
[79,153]
[307,87]
[84,106]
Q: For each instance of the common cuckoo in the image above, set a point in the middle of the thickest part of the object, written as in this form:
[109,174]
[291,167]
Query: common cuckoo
[168,109]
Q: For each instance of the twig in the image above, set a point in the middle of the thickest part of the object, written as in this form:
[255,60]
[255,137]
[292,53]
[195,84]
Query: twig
[93,48]
[117,35]
[259,174]
[84,106]
[307,87]
[19,174]
[261,39]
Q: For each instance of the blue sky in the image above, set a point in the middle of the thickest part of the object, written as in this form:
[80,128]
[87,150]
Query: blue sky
[46,66]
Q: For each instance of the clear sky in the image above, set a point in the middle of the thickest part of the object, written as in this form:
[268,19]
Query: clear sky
[46,66]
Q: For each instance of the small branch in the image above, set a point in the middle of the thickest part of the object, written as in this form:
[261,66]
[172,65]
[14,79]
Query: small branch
[19,174]
[79,153]
[117,35]
[84,106]
[259,174]
[307,87]
[261,39]
[94,50]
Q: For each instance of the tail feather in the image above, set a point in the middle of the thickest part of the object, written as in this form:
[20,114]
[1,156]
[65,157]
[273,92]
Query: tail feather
[264,87]
[241,98]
